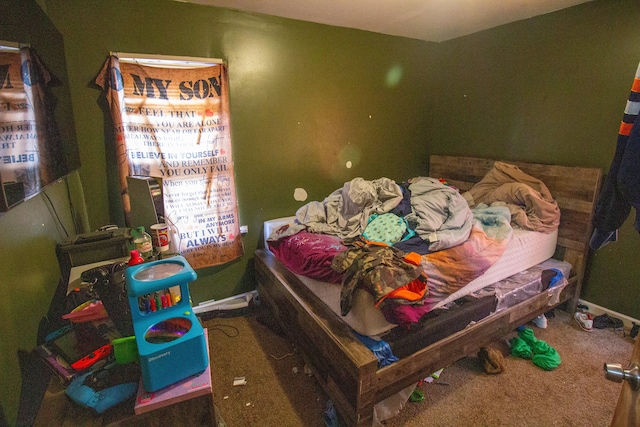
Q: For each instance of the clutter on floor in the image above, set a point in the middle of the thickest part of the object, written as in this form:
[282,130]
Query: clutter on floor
[605,321]
[588,321]
[130,332]
[492,360]
[527,346]
[540,321]
[584,320]
[634,330]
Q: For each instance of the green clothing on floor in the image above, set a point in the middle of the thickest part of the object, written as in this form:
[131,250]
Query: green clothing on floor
[527,346]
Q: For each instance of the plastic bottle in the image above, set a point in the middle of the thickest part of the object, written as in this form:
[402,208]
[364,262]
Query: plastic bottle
[142,242]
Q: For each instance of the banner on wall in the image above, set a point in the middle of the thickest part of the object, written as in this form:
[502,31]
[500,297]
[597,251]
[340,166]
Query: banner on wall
[31,152]
[173,124]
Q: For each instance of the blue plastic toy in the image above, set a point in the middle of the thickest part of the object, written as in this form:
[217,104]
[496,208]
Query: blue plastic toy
[104,388]
[169,336]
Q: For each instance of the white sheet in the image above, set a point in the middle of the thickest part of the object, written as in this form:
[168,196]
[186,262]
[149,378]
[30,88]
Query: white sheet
[525,249]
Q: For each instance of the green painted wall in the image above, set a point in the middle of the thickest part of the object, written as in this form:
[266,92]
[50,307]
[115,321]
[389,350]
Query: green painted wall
[29,270]
[550,89]
[306,98]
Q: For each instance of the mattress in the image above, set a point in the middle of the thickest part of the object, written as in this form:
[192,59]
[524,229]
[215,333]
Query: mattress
[527,283]
[525,249]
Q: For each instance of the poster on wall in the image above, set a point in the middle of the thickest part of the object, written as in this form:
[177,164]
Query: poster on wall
[31,152]
[173,124]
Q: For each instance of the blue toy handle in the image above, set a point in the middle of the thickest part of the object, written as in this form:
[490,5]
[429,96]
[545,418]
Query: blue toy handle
[149,277]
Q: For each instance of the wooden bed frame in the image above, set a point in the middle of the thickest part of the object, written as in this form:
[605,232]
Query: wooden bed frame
[348,371]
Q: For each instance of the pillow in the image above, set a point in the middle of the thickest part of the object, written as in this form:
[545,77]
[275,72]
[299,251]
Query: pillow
[309,254]
[386,228]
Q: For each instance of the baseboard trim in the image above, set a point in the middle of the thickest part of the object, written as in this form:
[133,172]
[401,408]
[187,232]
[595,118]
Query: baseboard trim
[231,303]
[597,310]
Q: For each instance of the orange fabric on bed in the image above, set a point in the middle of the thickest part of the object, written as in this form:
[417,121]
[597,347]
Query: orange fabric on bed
[412,291]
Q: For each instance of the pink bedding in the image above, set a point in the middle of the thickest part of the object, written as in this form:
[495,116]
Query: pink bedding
[311,254]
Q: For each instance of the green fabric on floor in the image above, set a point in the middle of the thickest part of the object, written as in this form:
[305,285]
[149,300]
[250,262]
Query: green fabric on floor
[527,335]
[547,361]
[527,346]
[520,348]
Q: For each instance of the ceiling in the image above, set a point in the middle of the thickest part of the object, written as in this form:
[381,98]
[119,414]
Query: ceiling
[430,20]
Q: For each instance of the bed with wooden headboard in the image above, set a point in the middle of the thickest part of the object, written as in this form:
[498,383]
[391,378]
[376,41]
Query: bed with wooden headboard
[348,371]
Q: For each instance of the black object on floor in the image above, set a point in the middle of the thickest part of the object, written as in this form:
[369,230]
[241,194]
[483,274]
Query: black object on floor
[582,308]
[634,330]
[605,321]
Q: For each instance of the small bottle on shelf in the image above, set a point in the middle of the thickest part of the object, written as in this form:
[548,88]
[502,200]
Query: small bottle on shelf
[142,242]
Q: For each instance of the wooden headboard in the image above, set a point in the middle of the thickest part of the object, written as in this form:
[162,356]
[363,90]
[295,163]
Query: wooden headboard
[574,188]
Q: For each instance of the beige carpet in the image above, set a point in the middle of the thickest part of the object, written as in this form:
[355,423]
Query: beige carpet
[278,393]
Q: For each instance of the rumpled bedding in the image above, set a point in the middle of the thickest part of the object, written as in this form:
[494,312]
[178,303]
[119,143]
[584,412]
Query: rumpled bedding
[529,200]
[452,269]
[345,212]
[459,243]
[383,271]
[442,216]
[439,213]
[308,254]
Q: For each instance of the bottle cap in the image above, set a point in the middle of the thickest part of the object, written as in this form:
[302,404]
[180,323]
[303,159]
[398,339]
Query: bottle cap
[135,258]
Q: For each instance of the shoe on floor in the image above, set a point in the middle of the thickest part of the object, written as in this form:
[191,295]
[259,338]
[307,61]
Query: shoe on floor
[605,321]
[585,321]
[540,321]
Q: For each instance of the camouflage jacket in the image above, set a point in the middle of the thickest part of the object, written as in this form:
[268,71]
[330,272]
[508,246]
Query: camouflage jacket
[379,269]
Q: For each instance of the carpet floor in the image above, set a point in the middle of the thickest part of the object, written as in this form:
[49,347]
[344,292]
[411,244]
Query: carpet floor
[277,391]
[259,379]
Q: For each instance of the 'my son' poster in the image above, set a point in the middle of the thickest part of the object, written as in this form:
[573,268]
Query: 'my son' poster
[173,123]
